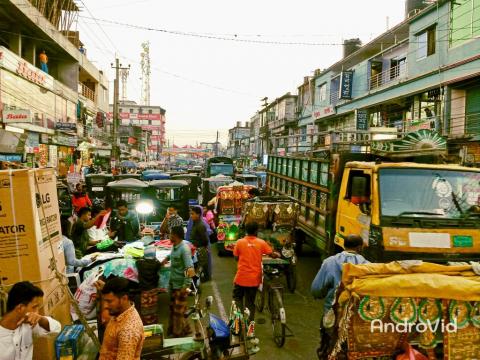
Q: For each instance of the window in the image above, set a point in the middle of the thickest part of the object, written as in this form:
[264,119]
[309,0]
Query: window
[426,43]
[322,92]
[334,90]
[131,111]
[150,111]
[464,21]
[140,110]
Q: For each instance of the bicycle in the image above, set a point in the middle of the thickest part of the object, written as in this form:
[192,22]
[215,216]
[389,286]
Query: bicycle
[272,289]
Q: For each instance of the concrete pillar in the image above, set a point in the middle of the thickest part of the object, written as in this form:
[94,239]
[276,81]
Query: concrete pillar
[15,44]
[31,53]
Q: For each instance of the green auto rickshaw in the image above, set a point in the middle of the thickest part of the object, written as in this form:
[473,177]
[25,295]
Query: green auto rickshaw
[194,186]
[165,193]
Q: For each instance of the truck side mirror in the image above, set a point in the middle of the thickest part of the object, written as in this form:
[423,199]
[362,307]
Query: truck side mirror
[360,191]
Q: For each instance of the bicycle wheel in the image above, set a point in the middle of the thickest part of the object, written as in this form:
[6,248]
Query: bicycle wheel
[260,300]
[278,316]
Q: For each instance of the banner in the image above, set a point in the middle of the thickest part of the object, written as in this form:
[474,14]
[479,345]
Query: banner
[362,119]
[17,116]
[65,126]
[346,85]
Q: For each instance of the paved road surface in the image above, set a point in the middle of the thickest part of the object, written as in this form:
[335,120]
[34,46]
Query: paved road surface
[303,313]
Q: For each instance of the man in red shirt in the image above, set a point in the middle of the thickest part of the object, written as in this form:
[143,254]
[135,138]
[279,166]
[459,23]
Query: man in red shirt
[248,251]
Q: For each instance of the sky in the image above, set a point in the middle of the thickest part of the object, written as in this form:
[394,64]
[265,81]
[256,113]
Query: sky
[204,80]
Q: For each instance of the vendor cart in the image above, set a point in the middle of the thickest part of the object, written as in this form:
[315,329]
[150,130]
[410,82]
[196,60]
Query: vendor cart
[230,201]
[276,217]
[411,306]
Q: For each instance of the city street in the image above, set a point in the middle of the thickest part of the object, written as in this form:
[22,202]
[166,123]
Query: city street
[303,312]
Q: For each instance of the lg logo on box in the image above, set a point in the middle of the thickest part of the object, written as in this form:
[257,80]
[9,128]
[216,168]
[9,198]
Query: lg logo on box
[42,199]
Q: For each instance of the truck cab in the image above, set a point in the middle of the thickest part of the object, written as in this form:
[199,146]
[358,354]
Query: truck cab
[411,211]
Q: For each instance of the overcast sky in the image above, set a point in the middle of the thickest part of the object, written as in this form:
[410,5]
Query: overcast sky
[209,84]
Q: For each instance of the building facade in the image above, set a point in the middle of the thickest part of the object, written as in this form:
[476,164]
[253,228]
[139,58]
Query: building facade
[239,141]
[150,141]
[48,111]
[424,73]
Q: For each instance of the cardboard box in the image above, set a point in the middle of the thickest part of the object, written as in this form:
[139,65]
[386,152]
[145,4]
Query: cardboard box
[28,204]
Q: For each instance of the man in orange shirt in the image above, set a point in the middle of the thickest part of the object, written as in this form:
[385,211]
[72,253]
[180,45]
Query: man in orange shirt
[43,61]
[123,338]
[248,251]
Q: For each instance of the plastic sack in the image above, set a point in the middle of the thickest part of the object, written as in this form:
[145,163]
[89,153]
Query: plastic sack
[220,329]
[410,354]
[86,296]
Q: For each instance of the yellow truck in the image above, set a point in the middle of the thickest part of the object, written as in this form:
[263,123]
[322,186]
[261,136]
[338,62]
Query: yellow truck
[391,192]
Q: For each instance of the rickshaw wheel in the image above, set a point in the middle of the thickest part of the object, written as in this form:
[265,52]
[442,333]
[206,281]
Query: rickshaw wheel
[291,275]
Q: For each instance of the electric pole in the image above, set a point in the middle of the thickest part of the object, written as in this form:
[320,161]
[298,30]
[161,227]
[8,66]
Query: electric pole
[216,145]
[116,115]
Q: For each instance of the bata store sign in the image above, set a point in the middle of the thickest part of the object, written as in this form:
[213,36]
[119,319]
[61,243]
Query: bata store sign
[16,64]
[17,116]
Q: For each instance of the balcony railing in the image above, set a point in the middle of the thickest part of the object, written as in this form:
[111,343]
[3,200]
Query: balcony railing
[388,76]
[85,91]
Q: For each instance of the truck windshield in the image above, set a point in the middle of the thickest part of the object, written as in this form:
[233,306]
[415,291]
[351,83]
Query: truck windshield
[431,193]
[224,169]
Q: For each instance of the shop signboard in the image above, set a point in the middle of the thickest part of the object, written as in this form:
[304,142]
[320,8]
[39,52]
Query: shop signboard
[17,116]
[11,157]
[65,126]
[323,112]
[362,119]
[15,64]
[33,139]
[346,85]
[65,140]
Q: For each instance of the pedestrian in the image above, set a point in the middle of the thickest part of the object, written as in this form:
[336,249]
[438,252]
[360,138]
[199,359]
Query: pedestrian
[326,282]
[171,219]
[249,251]
[181,273]
[80,236]
[123,338]
[22,322]
[80,198]
[209,217]
[125,225]
[71,260]
[198,232]
[43,61]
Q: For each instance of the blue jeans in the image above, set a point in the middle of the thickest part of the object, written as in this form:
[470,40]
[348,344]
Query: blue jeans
[44,67]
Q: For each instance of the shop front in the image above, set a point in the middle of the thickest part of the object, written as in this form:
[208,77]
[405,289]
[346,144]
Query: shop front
[30,105]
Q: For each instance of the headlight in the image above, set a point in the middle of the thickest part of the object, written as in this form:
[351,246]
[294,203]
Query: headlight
[287,253]
[144,207]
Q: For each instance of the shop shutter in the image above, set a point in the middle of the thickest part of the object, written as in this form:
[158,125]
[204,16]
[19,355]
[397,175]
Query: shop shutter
[472,111]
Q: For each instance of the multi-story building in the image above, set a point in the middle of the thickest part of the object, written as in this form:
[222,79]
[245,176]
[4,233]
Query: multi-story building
[421,74]
[239,140]
[47,112]
[151,119]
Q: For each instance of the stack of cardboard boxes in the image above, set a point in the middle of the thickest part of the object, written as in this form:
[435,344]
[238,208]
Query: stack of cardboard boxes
[31,240]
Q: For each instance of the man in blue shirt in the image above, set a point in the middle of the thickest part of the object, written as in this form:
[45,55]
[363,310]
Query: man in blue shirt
[125,225]
[327,280]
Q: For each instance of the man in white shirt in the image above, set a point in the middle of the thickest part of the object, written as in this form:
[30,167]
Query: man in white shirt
[22,322]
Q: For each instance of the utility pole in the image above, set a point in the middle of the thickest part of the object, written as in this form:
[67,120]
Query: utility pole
[116,115]
[216,145]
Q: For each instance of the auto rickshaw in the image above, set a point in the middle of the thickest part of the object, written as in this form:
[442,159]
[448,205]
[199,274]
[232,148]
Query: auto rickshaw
[194,184]
[247,179]
[151,175]
[276,217]
[420,309]
[130,190]
[127,176]
[165,193]
[96,187]
[210,186]
[230,201]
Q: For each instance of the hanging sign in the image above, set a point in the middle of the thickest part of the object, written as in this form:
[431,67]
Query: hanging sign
[362,119]
[346,85]
[17,116]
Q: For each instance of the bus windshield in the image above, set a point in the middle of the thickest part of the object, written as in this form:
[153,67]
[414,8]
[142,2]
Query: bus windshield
[429,193]
[224,169]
